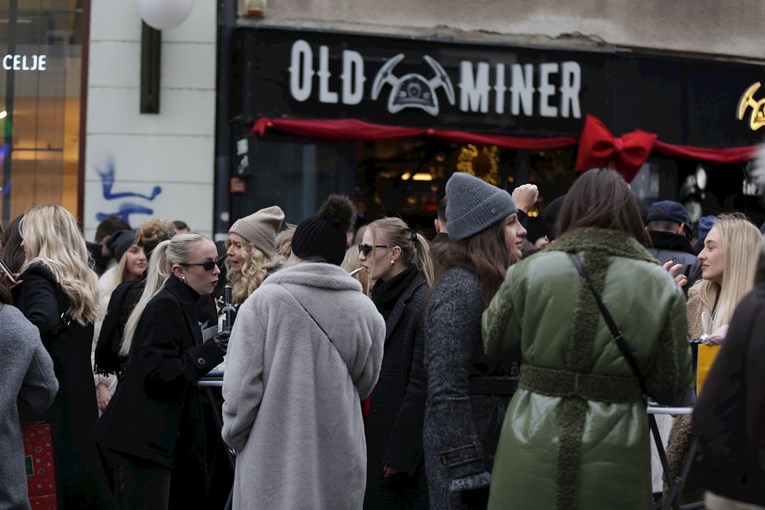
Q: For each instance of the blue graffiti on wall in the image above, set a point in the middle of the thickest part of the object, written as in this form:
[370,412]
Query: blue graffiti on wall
[125,209]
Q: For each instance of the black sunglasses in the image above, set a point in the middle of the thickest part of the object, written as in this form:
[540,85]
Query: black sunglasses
[366,249]
[208,266]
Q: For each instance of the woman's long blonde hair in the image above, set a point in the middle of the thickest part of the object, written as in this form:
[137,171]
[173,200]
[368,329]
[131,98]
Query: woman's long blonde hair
[51,236]
[178,250]
[414,247]
[255,268]
[740,240]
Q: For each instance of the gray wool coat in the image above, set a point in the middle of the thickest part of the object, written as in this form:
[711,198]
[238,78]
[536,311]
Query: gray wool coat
[461,427]
[292,397]
[27,383]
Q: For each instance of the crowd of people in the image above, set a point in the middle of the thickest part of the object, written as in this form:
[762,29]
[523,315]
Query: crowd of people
[371,368]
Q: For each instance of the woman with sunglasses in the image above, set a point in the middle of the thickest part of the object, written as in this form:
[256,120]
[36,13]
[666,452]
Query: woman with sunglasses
[154,428]
[398,260]
[467,392]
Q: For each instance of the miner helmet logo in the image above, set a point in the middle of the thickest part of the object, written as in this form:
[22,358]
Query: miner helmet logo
[413,90]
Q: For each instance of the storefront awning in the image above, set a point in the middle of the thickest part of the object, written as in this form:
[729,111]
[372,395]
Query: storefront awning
[597,147]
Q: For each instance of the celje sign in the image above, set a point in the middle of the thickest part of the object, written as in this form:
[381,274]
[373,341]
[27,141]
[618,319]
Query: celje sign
[25,62]
[546,89]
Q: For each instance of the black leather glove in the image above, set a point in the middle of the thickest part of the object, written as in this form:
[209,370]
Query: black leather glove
[221,339]
[475,498]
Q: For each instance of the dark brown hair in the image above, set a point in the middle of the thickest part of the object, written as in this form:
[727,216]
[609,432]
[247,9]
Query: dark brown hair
[109,226]
[601,198]
[5,293]
[487,252]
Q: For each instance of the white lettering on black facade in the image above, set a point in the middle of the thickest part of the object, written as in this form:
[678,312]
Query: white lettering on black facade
[478,86]
[546,89]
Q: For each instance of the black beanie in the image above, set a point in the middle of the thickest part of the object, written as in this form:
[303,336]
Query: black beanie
[550,217]
[323,236]
[120,242]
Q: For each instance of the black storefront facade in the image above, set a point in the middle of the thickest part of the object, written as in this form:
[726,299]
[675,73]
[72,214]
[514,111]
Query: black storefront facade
[386,120]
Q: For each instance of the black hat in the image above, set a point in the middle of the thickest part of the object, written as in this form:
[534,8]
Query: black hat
[323,236]
[120,242]
[550,217]
[668,210]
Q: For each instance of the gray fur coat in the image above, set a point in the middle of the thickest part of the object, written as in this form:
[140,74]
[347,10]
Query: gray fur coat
[292,407]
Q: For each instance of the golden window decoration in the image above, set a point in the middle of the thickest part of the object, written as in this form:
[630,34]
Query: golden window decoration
[482,163]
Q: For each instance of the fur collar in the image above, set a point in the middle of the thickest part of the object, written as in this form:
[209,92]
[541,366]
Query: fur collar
[614,243]
[315,274]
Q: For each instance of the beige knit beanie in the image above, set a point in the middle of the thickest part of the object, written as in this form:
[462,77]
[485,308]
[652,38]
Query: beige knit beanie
[260,228]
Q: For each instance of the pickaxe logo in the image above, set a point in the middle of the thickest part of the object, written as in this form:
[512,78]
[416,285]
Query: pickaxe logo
[757,117]
[413,90]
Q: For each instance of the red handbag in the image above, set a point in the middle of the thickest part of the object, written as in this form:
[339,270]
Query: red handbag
[38,453]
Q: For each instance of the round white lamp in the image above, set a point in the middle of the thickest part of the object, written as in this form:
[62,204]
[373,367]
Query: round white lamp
[164,14]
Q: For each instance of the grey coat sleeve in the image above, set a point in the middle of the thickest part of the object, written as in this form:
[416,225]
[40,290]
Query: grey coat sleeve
[40,385]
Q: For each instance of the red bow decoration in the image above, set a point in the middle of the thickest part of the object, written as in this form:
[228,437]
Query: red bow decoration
[598,148]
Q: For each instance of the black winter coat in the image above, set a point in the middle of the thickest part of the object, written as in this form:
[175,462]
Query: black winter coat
[668,246]
[80,478]
[397,404]
[156,412]
[729,415]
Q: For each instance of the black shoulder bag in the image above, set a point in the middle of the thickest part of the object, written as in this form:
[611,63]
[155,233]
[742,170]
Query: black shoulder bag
[615,333]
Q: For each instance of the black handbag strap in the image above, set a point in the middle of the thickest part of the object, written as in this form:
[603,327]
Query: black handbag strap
[617,336]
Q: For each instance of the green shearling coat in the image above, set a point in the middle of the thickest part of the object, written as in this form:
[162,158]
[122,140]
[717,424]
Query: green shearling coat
[582,441]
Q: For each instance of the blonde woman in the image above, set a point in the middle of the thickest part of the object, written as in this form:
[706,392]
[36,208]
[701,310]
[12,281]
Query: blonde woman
[727,271]
[131,264]
[728,266]
[154,427]
[57,294]
[123,299]
[397,258]
[251,251]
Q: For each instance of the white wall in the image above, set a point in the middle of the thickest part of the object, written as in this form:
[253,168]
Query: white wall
[172,151]
[724,27]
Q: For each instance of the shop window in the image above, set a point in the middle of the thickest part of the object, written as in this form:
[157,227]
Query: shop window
[40,84]
[405,178]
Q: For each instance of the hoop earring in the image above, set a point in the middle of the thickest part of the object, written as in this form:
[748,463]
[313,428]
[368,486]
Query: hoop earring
[392,262]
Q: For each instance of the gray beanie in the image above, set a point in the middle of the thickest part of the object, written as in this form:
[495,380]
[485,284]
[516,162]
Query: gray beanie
[259,228]
[473,205]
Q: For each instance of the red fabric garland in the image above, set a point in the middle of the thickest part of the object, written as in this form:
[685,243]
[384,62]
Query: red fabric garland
[597,146]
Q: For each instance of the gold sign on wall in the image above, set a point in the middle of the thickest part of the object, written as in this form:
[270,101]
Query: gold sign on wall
[757,117]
